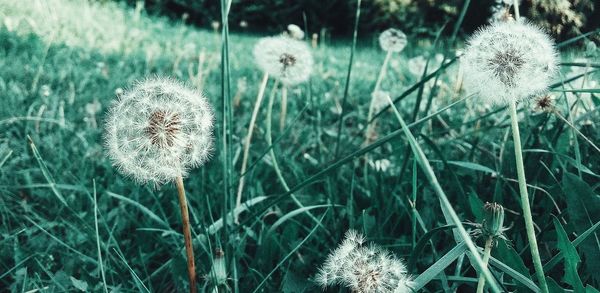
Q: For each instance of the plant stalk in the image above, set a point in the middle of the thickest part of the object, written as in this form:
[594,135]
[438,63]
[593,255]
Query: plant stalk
[283,107]
[535,254]
[486,258]
[248,140]
[187,235]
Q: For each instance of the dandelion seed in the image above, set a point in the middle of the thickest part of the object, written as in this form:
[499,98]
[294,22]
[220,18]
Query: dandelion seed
[509,61]
[366,269]
[392,40]
[284,58]
[158,130]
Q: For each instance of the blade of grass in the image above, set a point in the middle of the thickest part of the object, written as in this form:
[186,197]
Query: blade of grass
[444,202]
[142,208]
[135,276]
[436,268]
[101,268]
[45,172]
[347,86]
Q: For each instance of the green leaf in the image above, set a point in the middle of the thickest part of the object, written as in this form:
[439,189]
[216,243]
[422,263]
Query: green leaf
[583,208]
[472,166]
[476,206]
[511,258]
[590,289]
[571,257]
[81,285]
[553,287]
[514,274]
[559,256]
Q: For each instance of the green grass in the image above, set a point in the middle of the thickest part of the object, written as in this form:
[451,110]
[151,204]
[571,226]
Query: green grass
[61,63]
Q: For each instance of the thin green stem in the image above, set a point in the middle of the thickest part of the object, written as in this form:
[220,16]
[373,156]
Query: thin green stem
[248,140]
[283,108]
[535,254]
[424,163]
[486,258]
[413,205]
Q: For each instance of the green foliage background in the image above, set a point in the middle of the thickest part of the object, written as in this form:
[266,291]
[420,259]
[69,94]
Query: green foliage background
[62,64]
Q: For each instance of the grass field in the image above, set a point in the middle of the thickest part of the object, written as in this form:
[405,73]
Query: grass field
[62,204]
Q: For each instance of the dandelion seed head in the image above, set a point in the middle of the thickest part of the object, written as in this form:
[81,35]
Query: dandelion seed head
[158,130]
[284,58]
[509,61]
[295,32]
[392,40]
[364,268]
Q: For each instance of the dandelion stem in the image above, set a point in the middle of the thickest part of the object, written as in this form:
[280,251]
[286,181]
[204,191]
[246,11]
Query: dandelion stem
[486,258]
[187,235]
[283,108]
[259,98]
[535,254]
[424,163]
[370,126]
[516,6]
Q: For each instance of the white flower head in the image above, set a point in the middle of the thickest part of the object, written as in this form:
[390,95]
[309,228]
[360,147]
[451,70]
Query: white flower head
[158,130]
[368,269]
[393,40]
[509,61]
[295,32]
[285,58]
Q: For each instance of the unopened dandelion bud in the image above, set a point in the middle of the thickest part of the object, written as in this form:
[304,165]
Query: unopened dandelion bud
[493,222]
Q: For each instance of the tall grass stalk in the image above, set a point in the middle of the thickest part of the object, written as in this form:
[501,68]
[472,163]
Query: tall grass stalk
[424,162]
[347,86]
[187,235]
[248,140]
[535,254]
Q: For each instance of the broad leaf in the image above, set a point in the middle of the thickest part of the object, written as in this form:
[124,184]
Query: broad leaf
[571,257]
[583,208]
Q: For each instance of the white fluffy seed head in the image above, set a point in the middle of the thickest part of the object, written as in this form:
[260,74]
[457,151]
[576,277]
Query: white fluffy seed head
[284,58]
[509,61]
[295,32]
[158,130]
[393,40]
[368,269]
